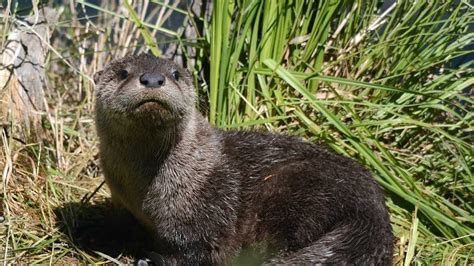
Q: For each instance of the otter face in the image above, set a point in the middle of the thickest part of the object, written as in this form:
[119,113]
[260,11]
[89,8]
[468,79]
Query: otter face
[143,91]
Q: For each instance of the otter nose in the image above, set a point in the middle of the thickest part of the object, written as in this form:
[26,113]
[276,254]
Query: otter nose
[152,80]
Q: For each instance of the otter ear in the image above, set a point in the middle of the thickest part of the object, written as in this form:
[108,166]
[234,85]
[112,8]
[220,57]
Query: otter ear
[188,74]
[97,76]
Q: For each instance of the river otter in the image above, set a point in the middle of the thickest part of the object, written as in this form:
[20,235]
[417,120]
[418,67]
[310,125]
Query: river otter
[208,194]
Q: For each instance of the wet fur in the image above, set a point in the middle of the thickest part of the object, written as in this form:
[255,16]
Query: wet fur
[206,194]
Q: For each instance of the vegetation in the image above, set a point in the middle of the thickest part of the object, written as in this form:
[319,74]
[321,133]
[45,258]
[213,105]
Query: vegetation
[384,83]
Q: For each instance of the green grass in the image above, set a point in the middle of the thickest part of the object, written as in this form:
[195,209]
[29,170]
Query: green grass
[377,86]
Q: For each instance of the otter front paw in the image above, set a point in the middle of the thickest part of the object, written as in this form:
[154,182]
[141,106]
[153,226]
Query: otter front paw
[153,258]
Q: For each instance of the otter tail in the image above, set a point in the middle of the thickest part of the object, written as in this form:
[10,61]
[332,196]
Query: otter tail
[357,243]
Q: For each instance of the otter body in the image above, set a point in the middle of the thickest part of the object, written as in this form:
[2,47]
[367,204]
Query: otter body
[209,195]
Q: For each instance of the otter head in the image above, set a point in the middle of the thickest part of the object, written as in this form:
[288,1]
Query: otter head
[144,94]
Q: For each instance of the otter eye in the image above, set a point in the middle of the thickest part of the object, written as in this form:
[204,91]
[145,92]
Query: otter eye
[175,75]
[123,74]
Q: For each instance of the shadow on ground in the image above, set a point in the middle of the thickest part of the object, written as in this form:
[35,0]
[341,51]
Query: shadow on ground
[103,228]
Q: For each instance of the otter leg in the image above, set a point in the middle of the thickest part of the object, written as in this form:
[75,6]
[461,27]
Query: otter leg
[359,242]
